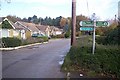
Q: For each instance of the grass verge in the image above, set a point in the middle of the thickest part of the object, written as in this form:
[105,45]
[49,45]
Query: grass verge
[104,63]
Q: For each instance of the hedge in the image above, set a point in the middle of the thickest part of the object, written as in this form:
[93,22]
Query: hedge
[11,42]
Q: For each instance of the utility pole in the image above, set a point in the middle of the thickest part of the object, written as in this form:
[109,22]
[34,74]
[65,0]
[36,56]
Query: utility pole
[73,28]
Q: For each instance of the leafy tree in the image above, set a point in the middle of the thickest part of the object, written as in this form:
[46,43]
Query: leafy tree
[112,34]
[35,19]
[48,21]
[57,21]
[13,18]
[29,19]
[63,22]
[78,19]
[69,22]
[25,19]
[113,37]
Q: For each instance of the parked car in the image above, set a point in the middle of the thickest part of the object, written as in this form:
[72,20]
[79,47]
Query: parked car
[38,35]
[41,35]
[34,35]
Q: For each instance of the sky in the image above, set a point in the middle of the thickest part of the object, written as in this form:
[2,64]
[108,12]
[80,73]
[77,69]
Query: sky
[104,9]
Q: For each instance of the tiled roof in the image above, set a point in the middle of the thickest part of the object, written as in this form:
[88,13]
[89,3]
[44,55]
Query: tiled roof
[42,27]
[30,26]
[55,28]
[19,26]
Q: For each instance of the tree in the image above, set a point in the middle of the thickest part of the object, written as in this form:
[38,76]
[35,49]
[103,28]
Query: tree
[57,21]
[29,19]
[25,19]
[48,21]
[79,18]
[63,22]
[35,19]
[13,18]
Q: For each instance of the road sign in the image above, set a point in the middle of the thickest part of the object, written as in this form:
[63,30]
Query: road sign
[102,23]
[87,23]
[86,28]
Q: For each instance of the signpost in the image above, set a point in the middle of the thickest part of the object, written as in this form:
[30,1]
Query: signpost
[102,23]
[86,28]
[91,25]
[86,23]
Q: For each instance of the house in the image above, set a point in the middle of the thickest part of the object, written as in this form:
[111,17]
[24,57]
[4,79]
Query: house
[10,29]
[55,31]
[31,26]
[23,31]
[6,29]
[44,29]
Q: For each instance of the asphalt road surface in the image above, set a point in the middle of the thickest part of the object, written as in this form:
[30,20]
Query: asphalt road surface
[39,61]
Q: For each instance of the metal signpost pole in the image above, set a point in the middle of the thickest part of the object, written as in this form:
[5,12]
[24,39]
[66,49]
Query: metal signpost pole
[94,19]
[93,50]
[90,26]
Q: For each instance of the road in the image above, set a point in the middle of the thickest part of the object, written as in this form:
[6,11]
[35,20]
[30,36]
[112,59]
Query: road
[39,61]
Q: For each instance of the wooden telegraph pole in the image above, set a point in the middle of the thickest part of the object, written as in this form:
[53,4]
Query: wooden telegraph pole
[73,28]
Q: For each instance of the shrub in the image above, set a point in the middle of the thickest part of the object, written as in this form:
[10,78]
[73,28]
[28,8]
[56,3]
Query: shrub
[58,36]
[101,40]
[11,42]
[67,34]
[32,40]
[44,38]
[111,38]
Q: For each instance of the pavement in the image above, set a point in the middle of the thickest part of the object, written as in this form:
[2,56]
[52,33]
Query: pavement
[13,48]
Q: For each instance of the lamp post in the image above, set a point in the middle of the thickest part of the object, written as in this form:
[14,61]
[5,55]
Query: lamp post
[73,28]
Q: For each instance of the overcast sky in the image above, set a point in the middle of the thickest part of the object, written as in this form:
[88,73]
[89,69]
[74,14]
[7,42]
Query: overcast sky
[105,9]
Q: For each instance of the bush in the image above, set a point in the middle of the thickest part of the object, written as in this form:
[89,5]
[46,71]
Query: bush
[58,36]
[67,34]
[44,38]
[32,40]
[112,38]
[101,40]
[11,42]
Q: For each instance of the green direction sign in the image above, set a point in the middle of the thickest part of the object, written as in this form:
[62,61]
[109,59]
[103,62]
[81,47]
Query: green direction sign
[86,28]
[87,23]
[102,23]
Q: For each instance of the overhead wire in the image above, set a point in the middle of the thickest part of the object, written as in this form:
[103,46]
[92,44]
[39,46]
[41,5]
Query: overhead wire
[87,8]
